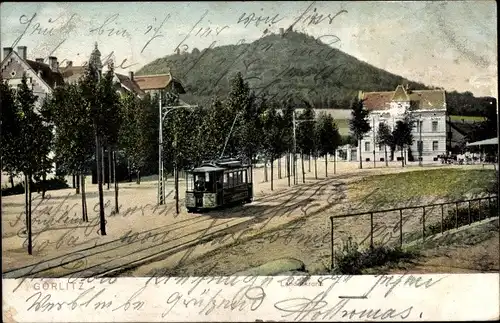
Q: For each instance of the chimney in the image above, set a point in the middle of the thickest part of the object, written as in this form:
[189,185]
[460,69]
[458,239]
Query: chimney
[53,63]
[282,31]
[22,51]
[69,63]
[131,75]
[39,60]
[6,51]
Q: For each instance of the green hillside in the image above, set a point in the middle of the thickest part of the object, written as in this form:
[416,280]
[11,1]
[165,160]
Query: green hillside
[293,64]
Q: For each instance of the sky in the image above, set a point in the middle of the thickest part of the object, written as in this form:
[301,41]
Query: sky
[450,44]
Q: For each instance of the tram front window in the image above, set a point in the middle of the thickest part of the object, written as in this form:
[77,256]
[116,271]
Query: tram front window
[204,182]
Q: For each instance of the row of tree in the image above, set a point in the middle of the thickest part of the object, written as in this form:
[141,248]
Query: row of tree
[78,123]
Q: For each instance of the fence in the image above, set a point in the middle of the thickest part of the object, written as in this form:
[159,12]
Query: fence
[423,221]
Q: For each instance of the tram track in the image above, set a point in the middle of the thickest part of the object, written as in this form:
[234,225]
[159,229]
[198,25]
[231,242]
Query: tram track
[68,263]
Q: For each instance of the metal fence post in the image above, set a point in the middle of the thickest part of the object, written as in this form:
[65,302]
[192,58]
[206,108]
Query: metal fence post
[332,245]
[442,217]
[371,230]
[468,210]
[401,227]
[423,223]
[456,215]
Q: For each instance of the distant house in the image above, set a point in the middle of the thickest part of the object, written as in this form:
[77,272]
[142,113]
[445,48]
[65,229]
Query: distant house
[154,83]
[428,107]
[42,77]
[124,83]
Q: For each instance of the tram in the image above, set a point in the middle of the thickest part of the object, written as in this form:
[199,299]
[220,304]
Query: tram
[218,183]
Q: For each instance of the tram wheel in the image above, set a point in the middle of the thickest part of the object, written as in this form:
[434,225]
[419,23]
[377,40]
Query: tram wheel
[190,210]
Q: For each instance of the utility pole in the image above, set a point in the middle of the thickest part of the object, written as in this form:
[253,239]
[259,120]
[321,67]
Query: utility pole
[161,170]
[161,193]
[421,144]
[294,150]
[99,174]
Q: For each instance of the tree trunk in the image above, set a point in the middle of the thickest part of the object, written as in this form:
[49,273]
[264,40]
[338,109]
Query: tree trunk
[360,155]
[44,185]
[288,167]
[272,173]
[265,170]
[138,177]
[326,165]
[309,162]
[176,190]
[117,210]
[402,158]
[74,186]
[85,216]
[102,219]
[109,167]
[30,241]
[129,171]
[11,179]
[77,184]
[279,168]
[103,168]
[386,161]
[335,161]
[303,170]
[27,212]
[315,166]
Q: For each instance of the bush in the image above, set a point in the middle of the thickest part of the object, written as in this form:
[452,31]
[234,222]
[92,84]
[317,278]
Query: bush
[476,214]
[351,261]
[52,184]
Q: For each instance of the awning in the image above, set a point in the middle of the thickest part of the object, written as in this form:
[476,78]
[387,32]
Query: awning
[492,141]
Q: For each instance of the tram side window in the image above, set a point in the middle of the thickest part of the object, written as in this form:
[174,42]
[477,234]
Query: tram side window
[190,182]
[244,176]
[240,176]
[231,180]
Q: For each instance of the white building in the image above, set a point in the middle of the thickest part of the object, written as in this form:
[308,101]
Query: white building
[428,108]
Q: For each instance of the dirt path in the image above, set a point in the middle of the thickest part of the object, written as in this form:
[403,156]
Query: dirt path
[144,232]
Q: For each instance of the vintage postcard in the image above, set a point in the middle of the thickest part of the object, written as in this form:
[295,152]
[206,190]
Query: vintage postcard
[249,161]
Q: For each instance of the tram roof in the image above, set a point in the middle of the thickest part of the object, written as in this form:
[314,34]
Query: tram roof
[206,168]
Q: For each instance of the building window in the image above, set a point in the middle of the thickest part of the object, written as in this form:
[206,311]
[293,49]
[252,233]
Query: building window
[367,146]
[419,124]
[434,126]
[435,145]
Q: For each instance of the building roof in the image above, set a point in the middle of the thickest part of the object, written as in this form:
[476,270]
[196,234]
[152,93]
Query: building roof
[491,141]
[129,84]
[160,81]
[400,94]
[420,99]
[50,77]
[72,73]
[464,128]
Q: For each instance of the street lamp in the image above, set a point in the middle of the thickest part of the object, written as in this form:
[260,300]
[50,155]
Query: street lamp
[161,171]
[295,122]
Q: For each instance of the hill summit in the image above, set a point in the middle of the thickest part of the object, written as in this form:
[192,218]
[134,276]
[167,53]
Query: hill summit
[280,65]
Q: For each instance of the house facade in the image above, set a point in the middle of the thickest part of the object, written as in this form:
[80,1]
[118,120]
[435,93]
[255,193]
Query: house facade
[428,109]
[42,77]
